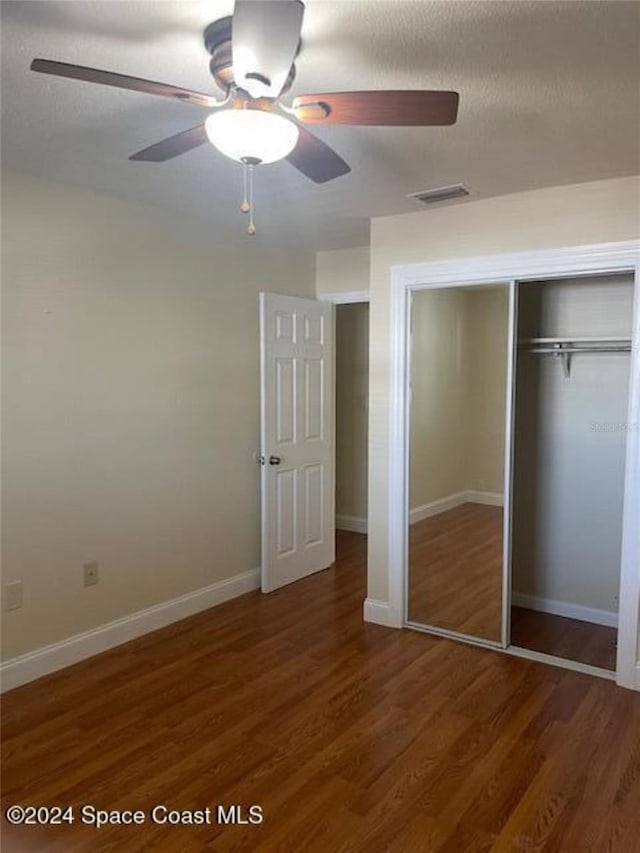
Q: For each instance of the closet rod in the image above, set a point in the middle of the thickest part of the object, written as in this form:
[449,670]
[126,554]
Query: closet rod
[571,350]
[565,349]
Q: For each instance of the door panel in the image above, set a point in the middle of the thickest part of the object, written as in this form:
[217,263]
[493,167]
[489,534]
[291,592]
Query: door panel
[286,510]
[313,520]
[297,438]
[285,400]
[285,327]
[313,399]
[314,329]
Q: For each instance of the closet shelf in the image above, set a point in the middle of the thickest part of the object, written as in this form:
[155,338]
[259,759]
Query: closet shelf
[564,348]
[578,340]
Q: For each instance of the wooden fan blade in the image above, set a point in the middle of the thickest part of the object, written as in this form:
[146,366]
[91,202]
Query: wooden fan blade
[173,146]
[316,159]
[122,81]
[399,108]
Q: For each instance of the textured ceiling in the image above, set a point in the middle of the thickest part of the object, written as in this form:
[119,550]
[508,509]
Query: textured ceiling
[549,95]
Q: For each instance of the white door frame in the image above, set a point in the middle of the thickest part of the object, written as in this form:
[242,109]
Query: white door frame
[595,259]
[348,297]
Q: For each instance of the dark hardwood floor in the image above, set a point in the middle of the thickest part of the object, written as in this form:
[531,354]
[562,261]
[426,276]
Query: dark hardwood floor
[455,582]
[564,638]
[352,737]
[455,571]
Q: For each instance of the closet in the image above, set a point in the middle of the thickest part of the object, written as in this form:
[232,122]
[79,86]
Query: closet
[570,430]
[518,406]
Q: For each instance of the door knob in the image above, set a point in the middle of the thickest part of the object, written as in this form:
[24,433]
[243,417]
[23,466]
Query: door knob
[275,460]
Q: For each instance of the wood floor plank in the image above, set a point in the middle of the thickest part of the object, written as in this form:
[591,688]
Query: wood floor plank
[455,570]
[352,737]
[565,638]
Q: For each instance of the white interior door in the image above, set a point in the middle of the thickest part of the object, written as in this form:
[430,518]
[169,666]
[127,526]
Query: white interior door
[296,337]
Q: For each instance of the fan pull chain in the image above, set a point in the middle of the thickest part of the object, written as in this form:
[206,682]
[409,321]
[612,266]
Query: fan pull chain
[251,228]
[244,207]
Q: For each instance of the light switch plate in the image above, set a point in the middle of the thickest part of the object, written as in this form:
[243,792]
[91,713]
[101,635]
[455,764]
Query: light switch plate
[13,595]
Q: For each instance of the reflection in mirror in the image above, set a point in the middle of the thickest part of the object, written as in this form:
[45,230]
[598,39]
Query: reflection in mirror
[459,358]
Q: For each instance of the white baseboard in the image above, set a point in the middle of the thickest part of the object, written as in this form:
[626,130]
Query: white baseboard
[564,608]
[351,522]
[48,659]
[419,513]
[629,679]
[381,613]
[474,496]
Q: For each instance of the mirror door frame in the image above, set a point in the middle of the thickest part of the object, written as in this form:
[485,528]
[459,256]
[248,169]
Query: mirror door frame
[510,269]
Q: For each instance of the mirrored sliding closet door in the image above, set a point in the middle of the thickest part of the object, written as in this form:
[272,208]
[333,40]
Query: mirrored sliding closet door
[459,356]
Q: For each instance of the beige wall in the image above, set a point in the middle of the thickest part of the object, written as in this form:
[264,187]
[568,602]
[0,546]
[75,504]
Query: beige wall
[131,405]
[439,368]
[458,380]
[342,271]
[352,410]
[488,324]
[549,218]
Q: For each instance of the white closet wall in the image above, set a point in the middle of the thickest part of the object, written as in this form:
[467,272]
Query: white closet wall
[570,440]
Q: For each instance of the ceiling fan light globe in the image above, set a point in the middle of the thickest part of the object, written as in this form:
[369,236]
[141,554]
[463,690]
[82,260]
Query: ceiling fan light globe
[245,135]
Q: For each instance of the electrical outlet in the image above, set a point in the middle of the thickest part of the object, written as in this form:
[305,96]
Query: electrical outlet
[91,573]
[13,595]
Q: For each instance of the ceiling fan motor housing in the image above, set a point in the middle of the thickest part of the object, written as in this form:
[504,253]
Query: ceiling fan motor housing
[217,40]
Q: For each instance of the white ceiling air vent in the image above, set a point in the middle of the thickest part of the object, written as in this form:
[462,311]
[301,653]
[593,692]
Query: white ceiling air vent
[440,194]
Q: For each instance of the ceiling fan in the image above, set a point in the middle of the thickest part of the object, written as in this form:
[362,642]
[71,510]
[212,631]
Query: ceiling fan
[253,57]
